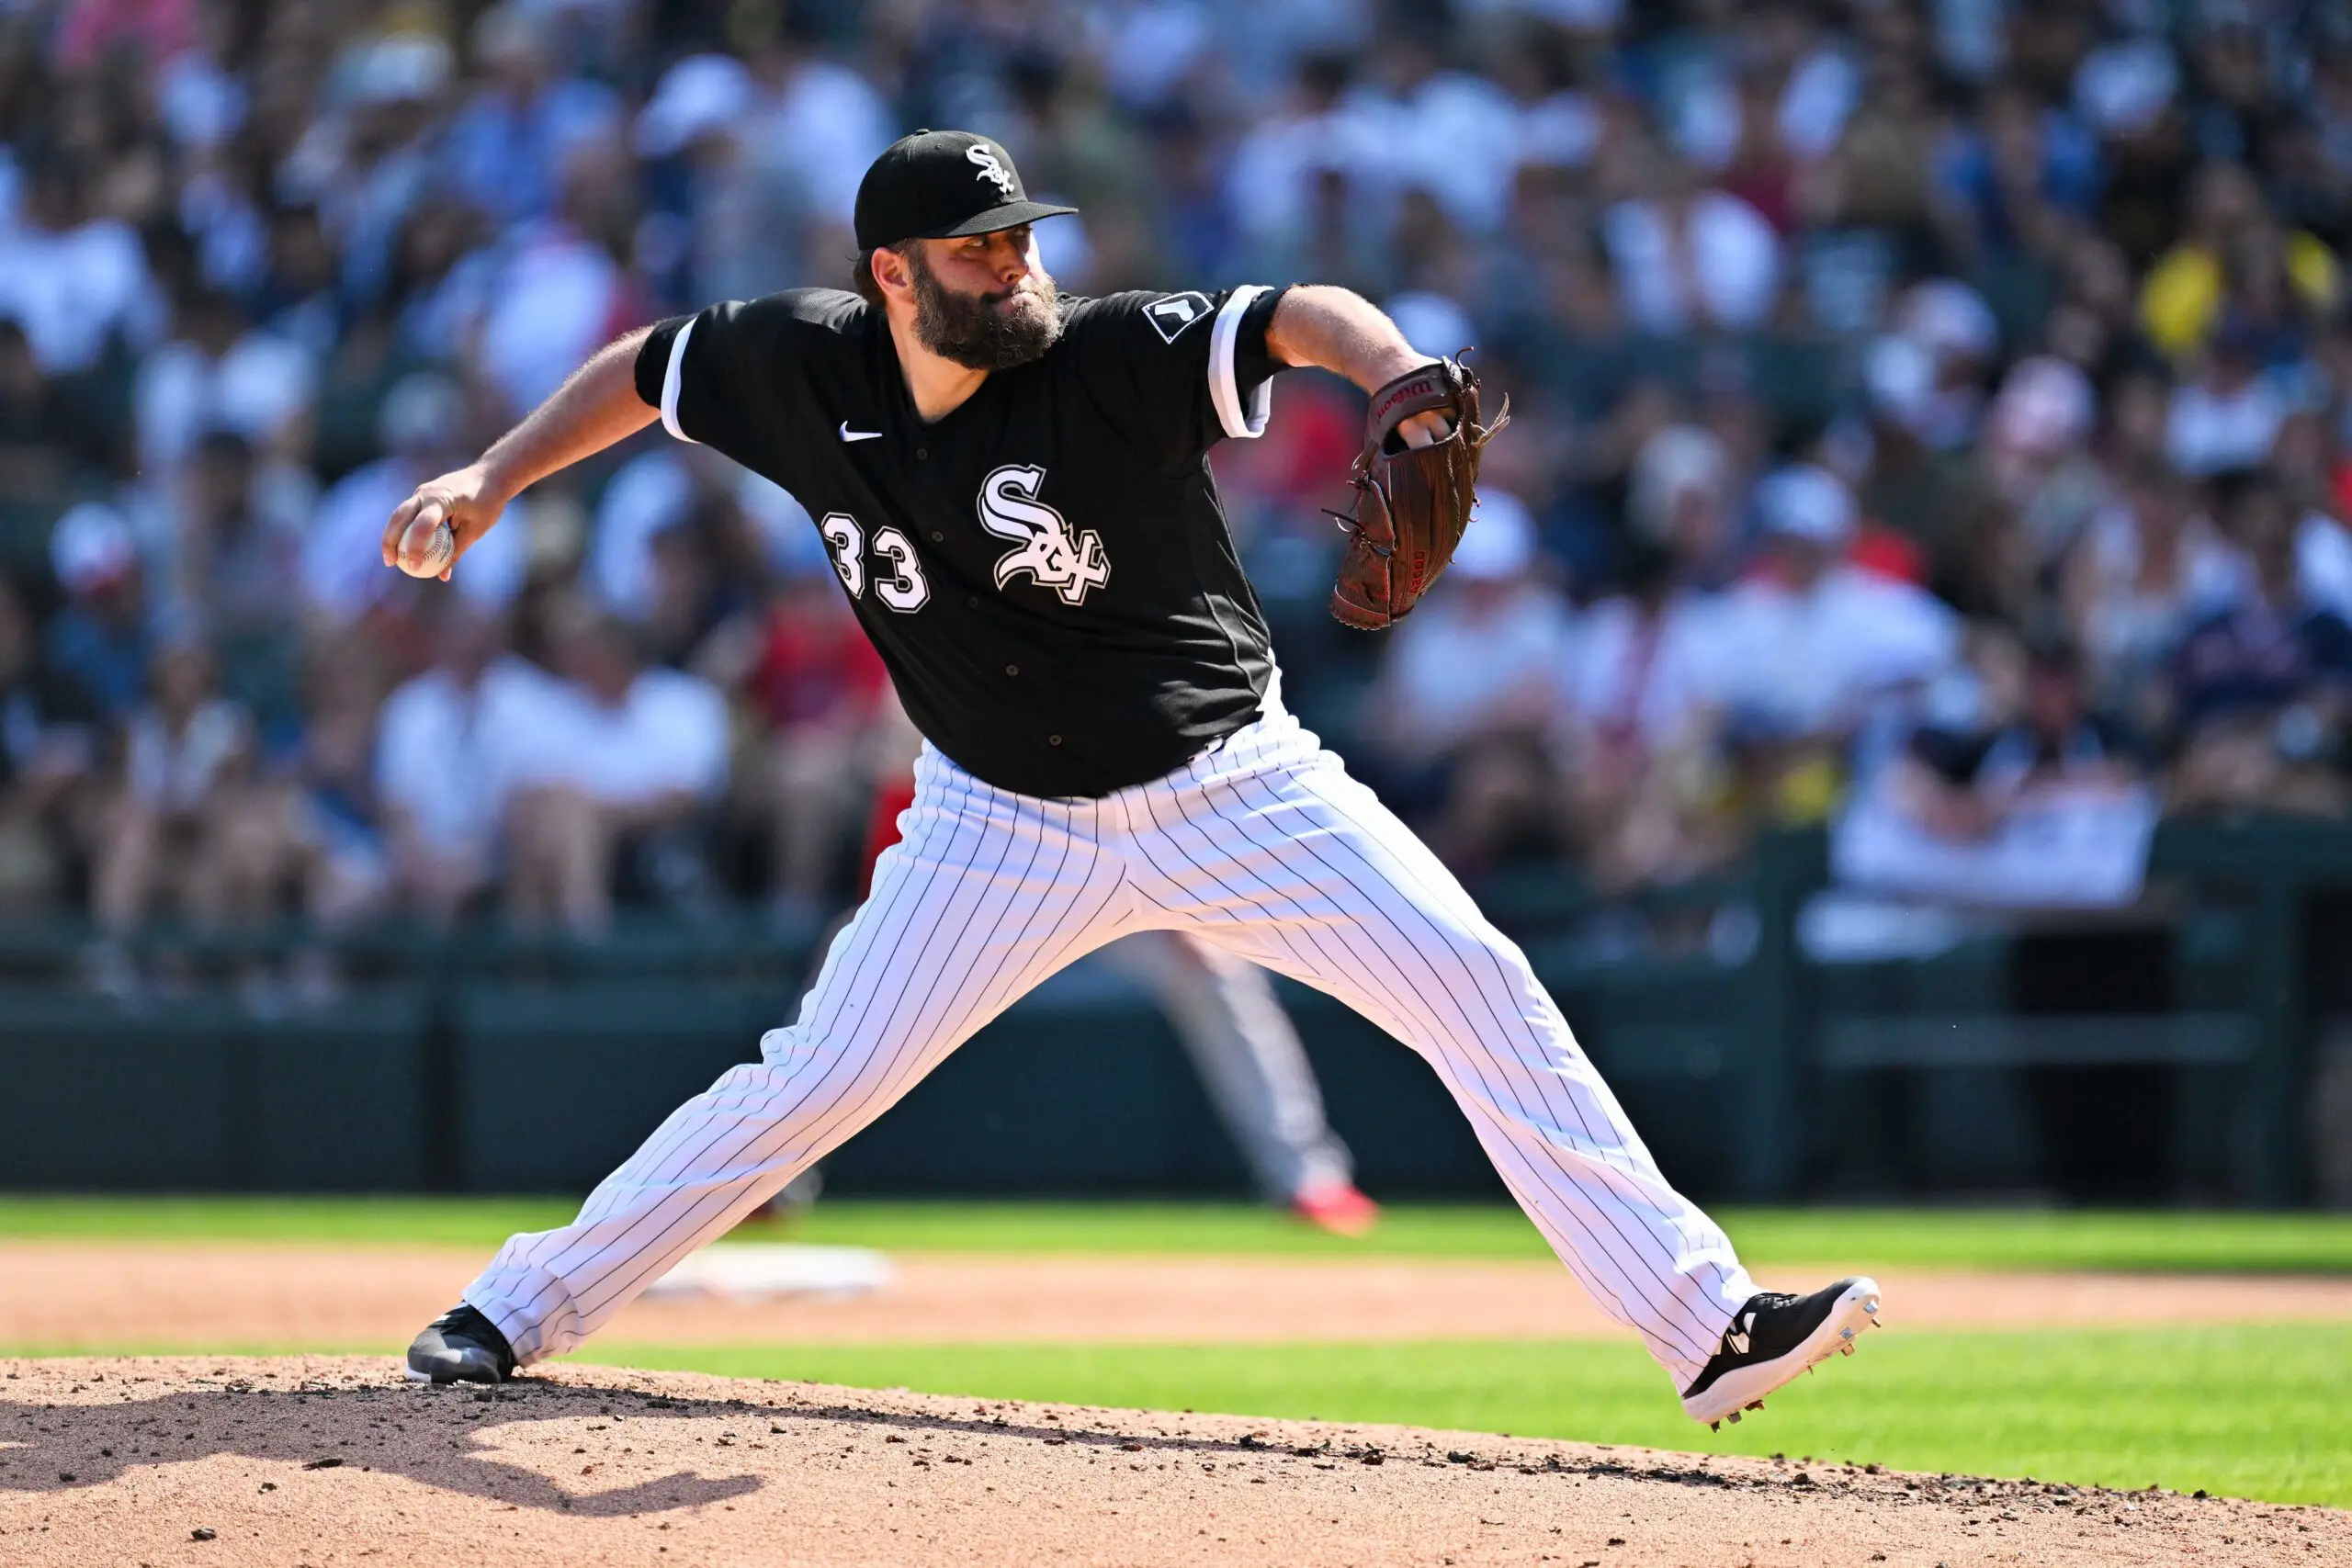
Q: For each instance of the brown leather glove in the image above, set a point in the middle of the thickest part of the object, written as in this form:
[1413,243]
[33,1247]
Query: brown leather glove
[1413,503]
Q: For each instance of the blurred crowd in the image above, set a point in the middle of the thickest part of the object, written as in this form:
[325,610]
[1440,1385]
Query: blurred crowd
[1951,395]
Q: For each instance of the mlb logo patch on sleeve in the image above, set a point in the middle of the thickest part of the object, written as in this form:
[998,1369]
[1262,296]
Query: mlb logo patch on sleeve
[1173,314]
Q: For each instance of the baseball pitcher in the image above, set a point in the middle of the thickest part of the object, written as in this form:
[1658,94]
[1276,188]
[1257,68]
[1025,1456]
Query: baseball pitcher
[1014,489]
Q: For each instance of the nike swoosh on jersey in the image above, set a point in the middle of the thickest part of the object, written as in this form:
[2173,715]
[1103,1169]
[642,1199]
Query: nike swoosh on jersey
[849,435]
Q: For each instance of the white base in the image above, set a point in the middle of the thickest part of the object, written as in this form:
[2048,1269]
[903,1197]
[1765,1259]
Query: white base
[767,1270]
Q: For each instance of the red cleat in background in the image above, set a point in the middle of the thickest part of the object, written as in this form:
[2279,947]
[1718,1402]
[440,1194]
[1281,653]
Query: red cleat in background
[1337,1208]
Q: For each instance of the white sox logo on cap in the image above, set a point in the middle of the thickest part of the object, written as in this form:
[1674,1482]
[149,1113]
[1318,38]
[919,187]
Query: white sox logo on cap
[991,169]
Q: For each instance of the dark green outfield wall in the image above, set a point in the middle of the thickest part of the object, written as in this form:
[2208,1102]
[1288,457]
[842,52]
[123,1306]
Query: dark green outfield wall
[2171,1052]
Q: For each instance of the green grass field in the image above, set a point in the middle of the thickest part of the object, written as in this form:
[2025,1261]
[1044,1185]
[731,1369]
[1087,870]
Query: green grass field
[2253,1412]
[1942,1238]
[2248,1412]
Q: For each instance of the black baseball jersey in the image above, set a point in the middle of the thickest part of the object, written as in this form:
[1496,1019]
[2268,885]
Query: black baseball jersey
[1046,570]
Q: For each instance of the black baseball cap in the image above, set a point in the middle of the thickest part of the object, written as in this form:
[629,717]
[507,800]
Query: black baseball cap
[942,185]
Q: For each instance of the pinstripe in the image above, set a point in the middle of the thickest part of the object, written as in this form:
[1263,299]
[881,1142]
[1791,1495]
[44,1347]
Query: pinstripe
[780,1125]
[839,1113]
[917,1033]
[1315,928]
[964,1026]
[957,809]
[1705,1336]
[1352,976]
[656,1161]
[1439,897]
[1091,925]
[1411,1026]
[1152,816]
[1260,844]
[1503,1057]
[916,1037]
[1348,977]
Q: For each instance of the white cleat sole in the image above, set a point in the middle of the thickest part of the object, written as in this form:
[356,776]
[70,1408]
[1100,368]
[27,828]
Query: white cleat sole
[1744,1389]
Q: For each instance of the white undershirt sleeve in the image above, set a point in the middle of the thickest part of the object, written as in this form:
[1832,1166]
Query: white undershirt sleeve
[670,383]
[1225,387]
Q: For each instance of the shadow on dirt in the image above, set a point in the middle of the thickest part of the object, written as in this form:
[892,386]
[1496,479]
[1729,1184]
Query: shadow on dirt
[444,1438]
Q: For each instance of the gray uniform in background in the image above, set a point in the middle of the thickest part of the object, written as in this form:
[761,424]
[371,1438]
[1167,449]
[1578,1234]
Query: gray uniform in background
[1248,1055]
[1247,1052]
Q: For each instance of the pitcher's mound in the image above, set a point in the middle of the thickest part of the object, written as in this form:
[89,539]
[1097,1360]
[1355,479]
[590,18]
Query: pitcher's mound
[316,1459]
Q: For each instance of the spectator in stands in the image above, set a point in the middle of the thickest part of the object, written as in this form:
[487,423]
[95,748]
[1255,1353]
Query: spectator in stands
[42,440]
[237,539]
[1640,747]
[1944,340]
[101,638]
[2261,685]
[218,375]
[442,764]
[617,768]
[2037,457]
[1682,499]
[2228,413]
[561,288]
[48,734]
[289,247]
[505,147]
[77,279]
[331,776]
[2182,299]
[367,160]
[1810,643]
[236,546]
[819,120]
[2148,567]
[193,824]
[1963,783]
[1467,692]
[294,298]
[820,691]
[1692,259]
[710,574]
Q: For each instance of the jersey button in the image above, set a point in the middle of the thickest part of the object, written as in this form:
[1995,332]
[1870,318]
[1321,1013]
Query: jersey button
[923,453]
[1053,739]
[973,603]
[937,537]
[1012,669]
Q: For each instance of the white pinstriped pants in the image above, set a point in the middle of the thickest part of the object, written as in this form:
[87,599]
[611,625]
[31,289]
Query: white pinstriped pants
[1263,846]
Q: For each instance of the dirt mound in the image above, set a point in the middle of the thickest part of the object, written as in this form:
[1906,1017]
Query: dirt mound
[316,1459]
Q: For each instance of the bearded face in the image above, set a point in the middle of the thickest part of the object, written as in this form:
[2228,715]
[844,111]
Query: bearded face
[992,331]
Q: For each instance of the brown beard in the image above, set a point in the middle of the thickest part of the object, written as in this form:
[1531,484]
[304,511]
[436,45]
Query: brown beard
[970,330]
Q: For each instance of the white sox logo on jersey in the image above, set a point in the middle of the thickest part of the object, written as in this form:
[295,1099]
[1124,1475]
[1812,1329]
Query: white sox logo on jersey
[991,169]
[1048,555]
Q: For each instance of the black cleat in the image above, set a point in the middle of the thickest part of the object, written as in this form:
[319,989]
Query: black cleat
[460,1346]
[1771,1339]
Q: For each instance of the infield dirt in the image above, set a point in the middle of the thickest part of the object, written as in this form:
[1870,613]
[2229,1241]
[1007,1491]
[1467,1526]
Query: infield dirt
[93,1296]
[323,1460]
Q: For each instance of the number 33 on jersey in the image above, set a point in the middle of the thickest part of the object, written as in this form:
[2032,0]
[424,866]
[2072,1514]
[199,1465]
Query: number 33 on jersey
[1044,524]
[902,591]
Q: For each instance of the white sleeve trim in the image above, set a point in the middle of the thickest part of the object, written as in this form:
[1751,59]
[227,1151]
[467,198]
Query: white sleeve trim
[1225,390]
[669,382]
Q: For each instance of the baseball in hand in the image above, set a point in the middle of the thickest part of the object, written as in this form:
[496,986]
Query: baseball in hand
[428,546]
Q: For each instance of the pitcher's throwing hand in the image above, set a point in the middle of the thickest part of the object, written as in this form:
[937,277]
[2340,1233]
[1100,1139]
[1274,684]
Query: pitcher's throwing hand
[440,522]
